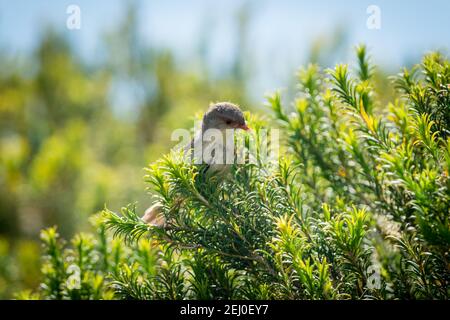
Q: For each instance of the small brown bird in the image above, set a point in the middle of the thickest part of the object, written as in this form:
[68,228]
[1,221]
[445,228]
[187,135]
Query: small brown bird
[220,116]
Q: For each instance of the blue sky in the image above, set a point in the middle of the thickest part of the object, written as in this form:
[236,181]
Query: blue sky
[281,32]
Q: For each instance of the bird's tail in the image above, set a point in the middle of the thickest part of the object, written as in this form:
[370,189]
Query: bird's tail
[154,215]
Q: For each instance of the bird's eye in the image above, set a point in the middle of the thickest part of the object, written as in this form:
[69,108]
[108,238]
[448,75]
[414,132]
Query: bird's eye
[228,122]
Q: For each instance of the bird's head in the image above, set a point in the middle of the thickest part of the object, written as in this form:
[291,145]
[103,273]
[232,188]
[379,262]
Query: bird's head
[224,115]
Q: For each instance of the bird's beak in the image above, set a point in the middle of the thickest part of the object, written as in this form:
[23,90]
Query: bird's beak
[244,127]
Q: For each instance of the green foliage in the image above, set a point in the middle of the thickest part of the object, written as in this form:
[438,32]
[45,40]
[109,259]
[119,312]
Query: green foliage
[68,142]
[18,266]
[356,208]
[427,89]
[72,273]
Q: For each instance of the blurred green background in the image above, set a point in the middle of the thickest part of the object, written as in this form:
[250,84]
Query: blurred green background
[82,112]
[66,150]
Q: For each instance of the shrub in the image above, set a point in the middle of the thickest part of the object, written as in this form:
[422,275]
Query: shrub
[357,207]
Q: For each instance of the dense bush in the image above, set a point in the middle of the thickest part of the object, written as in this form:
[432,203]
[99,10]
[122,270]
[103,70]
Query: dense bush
[69,143]
[356,208]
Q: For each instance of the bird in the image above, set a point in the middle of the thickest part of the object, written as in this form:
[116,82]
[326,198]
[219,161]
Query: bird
[219,118]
